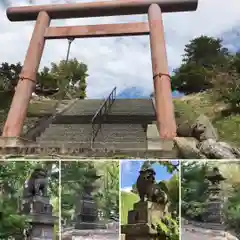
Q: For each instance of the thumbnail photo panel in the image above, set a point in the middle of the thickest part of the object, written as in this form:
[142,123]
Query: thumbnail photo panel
[149,199]
[90,200]
[210,199]
[29,200]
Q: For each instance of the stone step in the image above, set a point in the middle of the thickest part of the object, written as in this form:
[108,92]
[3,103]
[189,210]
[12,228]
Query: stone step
[125,118]
[96,145]
[69,127]
[84,107]
[132,106]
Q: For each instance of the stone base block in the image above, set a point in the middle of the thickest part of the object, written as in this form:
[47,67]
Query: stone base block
[85,225]
[139,231]
[154,142]
[145,212]
[15,142]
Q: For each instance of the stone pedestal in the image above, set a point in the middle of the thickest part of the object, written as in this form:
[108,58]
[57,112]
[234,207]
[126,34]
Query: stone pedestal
[141,220]
[39,211]
[214,203]
[214,206]
[87,215]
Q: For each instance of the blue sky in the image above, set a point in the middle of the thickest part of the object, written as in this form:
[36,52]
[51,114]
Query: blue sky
[124,62]
[136,92]
[130,170]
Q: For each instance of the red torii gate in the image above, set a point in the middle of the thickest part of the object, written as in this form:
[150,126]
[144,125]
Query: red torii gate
[42,31]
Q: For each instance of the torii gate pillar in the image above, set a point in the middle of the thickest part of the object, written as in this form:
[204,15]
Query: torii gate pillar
[27,79]
[161,79]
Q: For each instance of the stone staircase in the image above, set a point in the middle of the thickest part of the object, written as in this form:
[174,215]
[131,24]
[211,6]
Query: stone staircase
[121,128]
[123,131]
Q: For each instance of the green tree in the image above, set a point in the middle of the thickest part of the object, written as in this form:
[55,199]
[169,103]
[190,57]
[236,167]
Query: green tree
[70,78]
[205,51]
[236,62]
[201,56]
[191,78]
[45,80]
[227,88]
[194,186]
[8,80]
[9,74]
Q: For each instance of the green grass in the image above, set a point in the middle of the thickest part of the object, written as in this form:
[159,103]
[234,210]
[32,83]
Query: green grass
[43,106]
[36,109]
[127,201]
[188,108]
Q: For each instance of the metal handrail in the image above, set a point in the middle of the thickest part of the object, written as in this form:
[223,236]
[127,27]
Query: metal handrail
[101,112]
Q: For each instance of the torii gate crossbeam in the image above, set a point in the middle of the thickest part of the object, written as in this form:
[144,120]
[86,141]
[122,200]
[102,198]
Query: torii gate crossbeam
[42,31]
[98,9]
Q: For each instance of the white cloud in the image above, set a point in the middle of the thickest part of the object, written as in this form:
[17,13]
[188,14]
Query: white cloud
[125,61]
[126,189]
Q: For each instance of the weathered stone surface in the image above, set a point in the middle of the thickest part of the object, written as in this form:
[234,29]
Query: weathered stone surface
[184,130]
[73,151]
[216,150]
[154,142]
[146,212]
[234,150]
[188,148]
[15,142]
[203,129]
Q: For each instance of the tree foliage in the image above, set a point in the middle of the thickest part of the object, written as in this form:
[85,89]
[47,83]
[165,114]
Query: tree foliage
[204,57]
[70,78]
[194,186]
[227,88]
[65,79]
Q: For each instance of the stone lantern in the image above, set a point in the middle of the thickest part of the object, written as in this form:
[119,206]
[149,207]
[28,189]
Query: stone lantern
[87,212]
[214,203]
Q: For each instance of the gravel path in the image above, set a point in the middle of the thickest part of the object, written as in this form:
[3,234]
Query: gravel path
[190,232]
[98,234]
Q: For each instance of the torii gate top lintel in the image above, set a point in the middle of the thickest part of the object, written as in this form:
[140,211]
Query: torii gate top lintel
[98,9]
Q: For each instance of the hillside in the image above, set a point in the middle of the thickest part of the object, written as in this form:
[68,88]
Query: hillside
[189,107]
[36,110]
[127,201]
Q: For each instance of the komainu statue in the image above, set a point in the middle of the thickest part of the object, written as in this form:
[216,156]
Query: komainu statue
[148,188]
[36,185]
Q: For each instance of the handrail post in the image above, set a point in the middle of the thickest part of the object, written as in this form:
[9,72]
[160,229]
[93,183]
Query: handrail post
[106,105]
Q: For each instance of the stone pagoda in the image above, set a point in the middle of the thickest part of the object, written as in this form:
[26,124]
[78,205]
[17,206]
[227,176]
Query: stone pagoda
[214,203]
[87,210]
[36,206]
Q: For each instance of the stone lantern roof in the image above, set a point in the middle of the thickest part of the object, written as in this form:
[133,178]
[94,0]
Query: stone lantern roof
[214,176]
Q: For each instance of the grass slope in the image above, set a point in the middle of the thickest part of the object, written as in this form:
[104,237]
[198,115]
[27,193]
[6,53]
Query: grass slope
[36,110]
[188,108]
[127,201]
